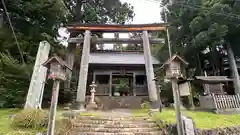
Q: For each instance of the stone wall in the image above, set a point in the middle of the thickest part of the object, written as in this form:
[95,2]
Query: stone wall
[170,129]
[131,102]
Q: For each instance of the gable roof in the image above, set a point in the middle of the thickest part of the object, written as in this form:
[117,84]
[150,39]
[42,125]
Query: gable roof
[119,58]
[56,58]
[175,56]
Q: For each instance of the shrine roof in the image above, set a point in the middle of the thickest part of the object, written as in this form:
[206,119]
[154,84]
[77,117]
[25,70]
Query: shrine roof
[116,27]
[119,58]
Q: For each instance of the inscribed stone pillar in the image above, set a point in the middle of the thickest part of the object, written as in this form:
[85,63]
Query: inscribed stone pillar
[152,90]
[36,88]
[82,82]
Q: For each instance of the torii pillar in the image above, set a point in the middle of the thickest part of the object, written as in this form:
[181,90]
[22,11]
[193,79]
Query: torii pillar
[152,89]
[82,82]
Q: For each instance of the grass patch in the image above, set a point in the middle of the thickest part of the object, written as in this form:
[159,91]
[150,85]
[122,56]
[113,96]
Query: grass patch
[6,127]
[203,120]
[6,121]
[94,114]
[140,113]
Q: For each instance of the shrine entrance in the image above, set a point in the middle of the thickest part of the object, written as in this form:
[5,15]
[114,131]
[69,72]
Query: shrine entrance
[122,85]
[124,71]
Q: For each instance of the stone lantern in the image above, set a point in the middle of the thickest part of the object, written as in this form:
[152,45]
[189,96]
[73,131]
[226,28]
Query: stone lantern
[92,104]
[174,66]
[57,68]
[57,72]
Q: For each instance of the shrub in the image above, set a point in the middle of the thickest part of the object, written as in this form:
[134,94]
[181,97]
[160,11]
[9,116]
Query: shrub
[20,133]
[31,118]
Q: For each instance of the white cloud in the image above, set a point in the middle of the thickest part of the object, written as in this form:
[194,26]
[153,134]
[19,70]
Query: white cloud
[147,11]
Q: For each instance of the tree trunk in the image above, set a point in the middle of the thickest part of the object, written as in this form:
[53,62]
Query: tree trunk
[212,55]
[200,64]
[78,10]
[70,59]
[233,66]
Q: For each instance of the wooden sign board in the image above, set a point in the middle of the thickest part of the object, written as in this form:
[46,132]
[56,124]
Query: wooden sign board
[184,89]
[189,125]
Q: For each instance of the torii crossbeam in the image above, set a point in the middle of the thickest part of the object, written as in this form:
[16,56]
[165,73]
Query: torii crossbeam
[79,27]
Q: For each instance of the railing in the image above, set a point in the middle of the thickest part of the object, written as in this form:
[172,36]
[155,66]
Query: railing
[141,90]
[226,101]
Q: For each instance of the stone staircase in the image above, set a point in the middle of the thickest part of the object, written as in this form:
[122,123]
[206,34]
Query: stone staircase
[89,125]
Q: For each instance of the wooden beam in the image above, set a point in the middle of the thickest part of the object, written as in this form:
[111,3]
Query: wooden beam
[116,27]
[119,40]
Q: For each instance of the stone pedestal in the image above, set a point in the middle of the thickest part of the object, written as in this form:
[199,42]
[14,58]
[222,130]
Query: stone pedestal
[92,106]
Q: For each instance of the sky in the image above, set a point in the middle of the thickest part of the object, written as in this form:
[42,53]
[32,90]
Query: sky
[146,11]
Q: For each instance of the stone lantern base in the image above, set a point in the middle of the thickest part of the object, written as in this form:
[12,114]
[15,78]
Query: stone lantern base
[91,106]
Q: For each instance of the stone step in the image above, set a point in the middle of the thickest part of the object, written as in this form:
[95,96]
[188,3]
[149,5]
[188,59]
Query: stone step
[129,125]
[115,130]
[123,122]
[113,118]
[120,133]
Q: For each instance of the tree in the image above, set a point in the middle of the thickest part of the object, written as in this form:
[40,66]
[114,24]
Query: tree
[201,30]
[32,21]
[38,20]
[100,11]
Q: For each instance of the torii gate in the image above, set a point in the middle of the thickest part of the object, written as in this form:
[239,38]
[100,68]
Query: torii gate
[87,29]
